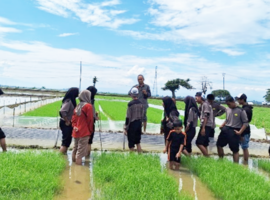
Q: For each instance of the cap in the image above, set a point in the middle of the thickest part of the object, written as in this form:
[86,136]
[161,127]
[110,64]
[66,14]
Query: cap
[229,99]
[134,92]
[198,94]
[177,123]
[241,96]
[211,97]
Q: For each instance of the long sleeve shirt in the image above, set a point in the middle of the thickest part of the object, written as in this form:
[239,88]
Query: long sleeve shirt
[135,111]
[192,120]
[67,110]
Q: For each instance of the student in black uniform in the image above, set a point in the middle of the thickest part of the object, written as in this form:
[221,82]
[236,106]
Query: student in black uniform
[66,112]
[170,114]
[93,91]
[2,134]
[235,124]
[134,118]
[191,121]
[176,141]
[245,137]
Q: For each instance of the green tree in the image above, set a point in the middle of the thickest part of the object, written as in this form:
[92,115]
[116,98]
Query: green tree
[175,84]
[267,96]
[221,94]
[95,80]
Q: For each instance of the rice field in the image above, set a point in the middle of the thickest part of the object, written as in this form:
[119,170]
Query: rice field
[30,175]
[133,176]
[229,181]
[264,164]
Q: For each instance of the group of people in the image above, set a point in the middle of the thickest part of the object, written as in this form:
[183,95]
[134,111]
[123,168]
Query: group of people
[78,122]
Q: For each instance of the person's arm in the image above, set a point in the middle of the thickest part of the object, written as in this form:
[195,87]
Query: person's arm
[183,143]
[74,121]
[221,110]
[127,121]
[206,115]
[244,120]
[168,139]
[147,93]
[64,111]
[90,118]
[190,119]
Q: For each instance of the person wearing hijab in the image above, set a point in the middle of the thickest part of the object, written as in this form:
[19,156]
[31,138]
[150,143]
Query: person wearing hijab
[2,134]
[170,115]
[93,91]
[82,123]
[191,121]
[66,112]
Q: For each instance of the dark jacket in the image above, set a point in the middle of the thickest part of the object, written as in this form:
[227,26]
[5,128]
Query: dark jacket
[249,112]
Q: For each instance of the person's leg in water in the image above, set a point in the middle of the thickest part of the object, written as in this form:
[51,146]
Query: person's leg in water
[139,148]
[203,141]
[75,148]
[66,137]
[220,152]
[236,157]
[82,149]
[204,150]
[177,166]
[3,144]
[245,145]
[172,165]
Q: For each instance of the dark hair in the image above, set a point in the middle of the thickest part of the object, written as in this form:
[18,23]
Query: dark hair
[177,123]
[141,76]
[229,99]
[211,97]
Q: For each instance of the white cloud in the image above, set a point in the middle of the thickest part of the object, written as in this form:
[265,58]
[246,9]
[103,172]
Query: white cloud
[231,52]
[4,27]
[6,21]
[67,34]
[208,22]
[95,14]
[39,64]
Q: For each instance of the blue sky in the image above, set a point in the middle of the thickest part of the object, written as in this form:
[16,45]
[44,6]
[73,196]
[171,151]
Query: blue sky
[43,41]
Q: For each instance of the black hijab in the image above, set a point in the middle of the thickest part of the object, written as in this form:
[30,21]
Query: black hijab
[190,103]
[93,91]
[72,94]
[1,92]
[169,106]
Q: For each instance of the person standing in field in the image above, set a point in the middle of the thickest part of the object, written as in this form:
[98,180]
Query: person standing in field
[191,121]
[144,94]
[133,124]
[170,114]
[176,141]
[218,110]
[2,134]
[66,112]
[206,118]
[93,91]
[231,130]
[82,123]
[245,137]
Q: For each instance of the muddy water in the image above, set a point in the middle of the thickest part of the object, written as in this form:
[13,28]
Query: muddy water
[76,181]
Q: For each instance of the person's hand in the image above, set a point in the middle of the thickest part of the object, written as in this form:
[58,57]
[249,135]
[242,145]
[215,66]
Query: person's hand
[161,131]
[67,123]
[125,132]
[76,129]
[165,151]
[221,126]
[237,132]
[203,132]
[144,92]
[97,118]
[178,155]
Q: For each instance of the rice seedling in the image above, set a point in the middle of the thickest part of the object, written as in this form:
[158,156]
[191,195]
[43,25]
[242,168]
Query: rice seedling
[133,176]
[49,110]
[30,175]
[229,181]
[264,164]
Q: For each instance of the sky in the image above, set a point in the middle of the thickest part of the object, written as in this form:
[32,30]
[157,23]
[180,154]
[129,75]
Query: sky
[43,41]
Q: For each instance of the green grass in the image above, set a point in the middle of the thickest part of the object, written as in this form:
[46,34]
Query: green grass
[117,111]
[229,181]
[133,176]
[49,110]
[264,164]
[30,175]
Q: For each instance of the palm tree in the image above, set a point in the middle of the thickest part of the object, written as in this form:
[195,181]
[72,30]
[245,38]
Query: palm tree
[175,84]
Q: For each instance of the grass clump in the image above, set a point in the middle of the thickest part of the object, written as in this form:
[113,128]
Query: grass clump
[133,176]
[229,181]
[30,175]
[264,164]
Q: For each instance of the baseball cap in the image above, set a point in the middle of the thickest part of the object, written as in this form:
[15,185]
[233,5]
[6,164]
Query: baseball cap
[241,96]
[134,92]
[198,94]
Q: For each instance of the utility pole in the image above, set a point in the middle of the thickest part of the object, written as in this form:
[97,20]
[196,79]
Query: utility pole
[223,74]
[155,84]
[80,75]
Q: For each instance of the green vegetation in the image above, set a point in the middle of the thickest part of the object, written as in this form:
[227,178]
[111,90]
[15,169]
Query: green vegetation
[229,181]
[175,84]
[133,176]
[49,110]
[30,175]
[221,94]
[264,164]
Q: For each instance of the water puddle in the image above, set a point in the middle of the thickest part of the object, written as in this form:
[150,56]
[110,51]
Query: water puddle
[76,180]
